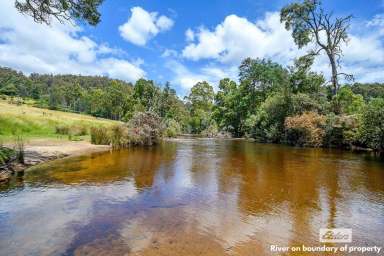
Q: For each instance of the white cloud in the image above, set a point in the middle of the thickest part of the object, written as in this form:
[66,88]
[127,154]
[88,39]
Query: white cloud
[31,47]
[378,20]
[143,25]
[164,23]
[121,69]
[211,74]
[182,76]
[169,53]
[368,50]
[189,35]
[237,38]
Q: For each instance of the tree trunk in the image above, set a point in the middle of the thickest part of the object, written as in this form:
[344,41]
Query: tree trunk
[335,83]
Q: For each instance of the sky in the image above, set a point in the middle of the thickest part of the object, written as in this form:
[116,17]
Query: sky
[182,42]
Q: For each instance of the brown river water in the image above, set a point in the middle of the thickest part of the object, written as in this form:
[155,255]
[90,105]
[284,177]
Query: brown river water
[193,197]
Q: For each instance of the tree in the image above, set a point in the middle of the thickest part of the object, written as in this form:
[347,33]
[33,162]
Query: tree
[200,100]
[170,107]
[201,96]
[260,77]
[226,110]
[117,100]
[347,102]
[9,89]
[311,24]
[372,127]
[267,125]
[72,96]
[14,83]
[146,93]
[302,79]
[43,10]
[369,91]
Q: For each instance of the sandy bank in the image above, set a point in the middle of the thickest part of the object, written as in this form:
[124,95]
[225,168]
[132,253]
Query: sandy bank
[42,150]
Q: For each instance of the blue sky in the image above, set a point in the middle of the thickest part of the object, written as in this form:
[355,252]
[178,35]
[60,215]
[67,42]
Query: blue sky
[182,41]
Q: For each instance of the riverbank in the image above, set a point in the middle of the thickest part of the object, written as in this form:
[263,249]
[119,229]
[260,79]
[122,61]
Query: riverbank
[43,150]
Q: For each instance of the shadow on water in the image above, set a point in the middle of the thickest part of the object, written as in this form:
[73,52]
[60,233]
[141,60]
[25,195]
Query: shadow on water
[190,197]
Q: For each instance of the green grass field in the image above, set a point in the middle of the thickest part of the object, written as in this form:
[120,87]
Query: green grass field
[31,122]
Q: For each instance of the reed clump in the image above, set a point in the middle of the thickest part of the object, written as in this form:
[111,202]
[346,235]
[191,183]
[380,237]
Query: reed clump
[100,136]
[19,148]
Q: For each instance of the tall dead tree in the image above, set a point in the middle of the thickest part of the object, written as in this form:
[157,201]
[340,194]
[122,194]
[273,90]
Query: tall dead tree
[311,24]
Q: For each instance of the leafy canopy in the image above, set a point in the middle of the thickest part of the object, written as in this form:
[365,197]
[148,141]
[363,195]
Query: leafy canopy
[43,11]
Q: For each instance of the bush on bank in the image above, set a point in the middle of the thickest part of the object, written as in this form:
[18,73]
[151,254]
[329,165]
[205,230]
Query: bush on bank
[144,128]
[307,129]
[6,154]
[311,129]
[341,131]
[172,128]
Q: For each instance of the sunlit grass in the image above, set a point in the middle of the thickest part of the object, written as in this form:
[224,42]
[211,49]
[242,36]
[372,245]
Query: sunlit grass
[31,122]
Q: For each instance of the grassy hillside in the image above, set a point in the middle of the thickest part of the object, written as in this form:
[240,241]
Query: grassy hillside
[31,122]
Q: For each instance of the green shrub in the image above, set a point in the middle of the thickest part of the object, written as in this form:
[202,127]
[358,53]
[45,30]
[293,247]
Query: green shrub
[211,131]
[269,120]
[6,154]
[172,128]
[347,102]
[341,130]
[99,136]
[371,132]
[301,103]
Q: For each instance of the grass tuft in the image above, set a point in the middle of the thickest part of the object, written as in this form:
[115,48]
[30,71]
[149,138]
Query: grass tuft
[99,136]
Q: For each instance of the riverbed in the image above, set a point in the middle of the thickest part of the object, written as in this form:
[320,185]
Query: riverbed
[192,197]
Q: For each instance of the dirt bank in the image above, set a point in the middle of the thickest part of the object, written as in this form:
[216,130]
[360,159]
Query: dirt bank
[42,150]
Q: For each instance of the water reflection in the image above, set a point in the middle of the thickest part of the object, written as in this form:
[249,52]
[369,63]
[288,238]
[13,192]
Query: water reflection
[192,197]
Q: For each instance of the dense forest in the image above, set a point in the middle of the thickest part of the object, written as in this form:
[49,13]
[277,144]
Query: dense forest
[270,103]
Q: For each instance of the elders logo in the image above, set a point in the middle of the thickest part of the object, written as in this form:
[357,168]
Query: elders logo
[335,235]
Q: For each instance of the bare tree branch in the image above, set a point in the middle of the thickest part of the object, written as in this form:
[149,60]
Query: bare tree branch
[310,23]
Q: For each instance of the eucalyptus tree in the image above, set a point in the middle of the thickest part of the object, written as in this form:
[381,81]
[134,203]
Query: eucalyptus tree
[200,101]
[226,110]
[43,11]
[302,79]
[309,23]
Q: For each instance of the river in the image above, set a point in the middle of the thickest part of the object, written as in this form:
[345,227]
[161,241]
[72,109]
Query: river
[192,197]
